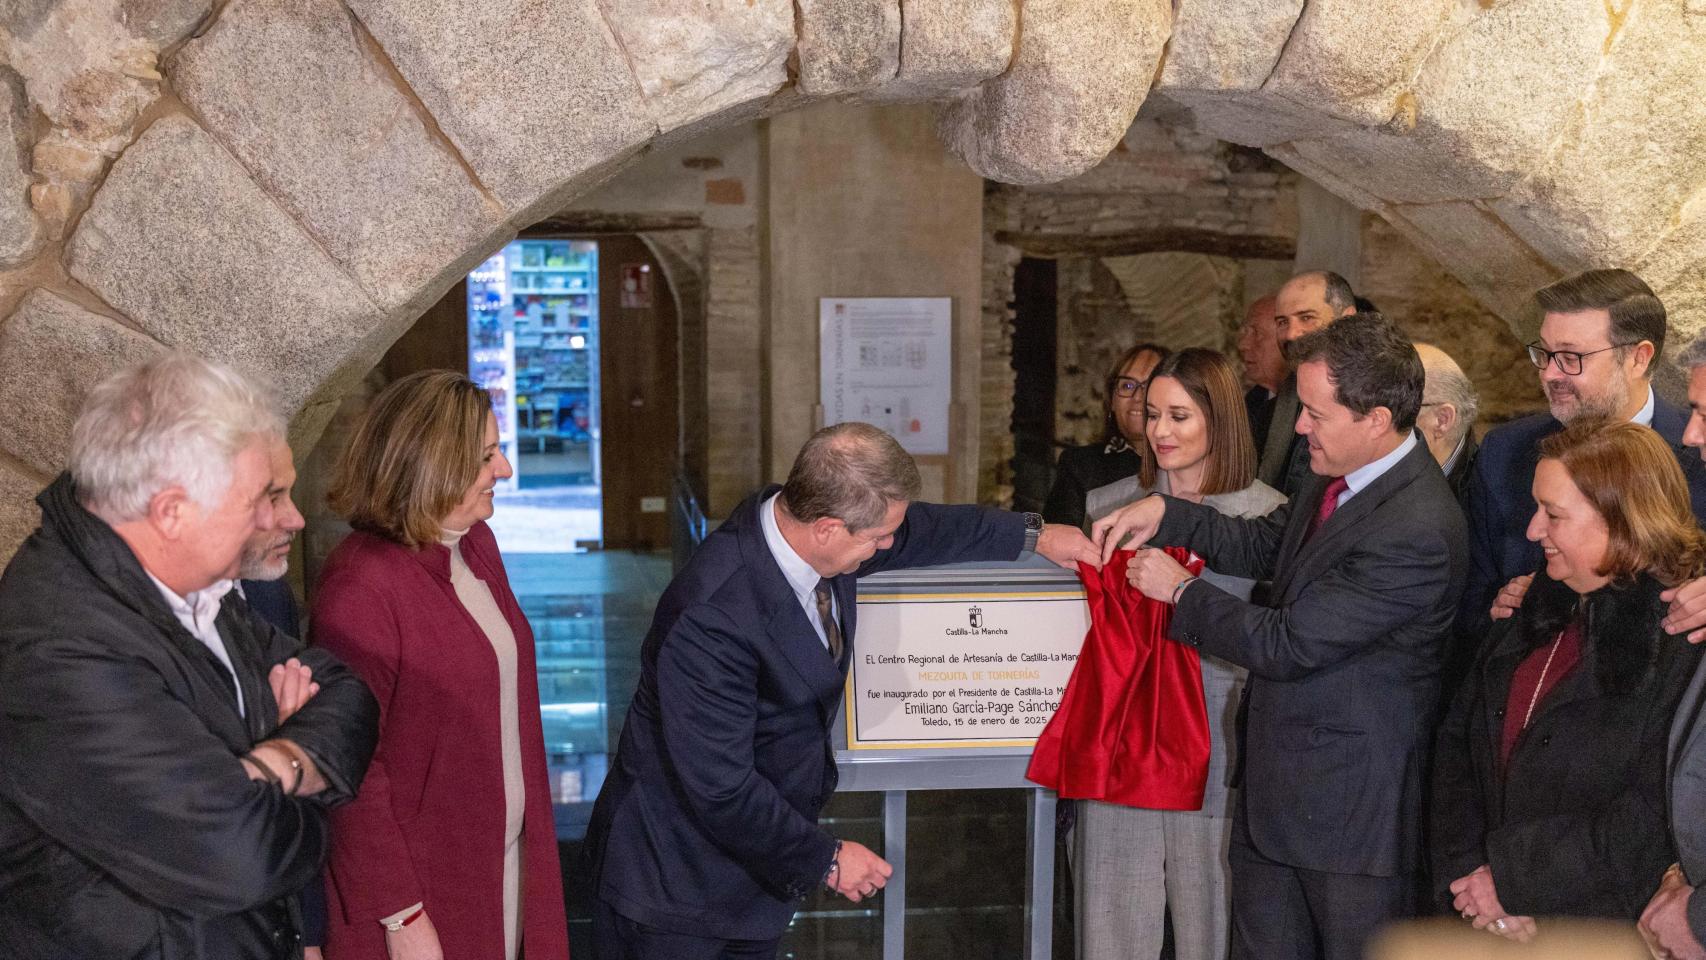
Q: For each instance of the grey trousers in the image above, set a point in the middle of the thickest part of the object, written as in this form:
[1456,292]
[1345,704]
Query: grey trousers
[1131,866]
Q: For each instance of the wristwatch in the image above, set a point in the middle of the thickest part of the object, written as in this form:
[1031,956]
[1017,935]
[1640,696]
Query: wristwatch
[1033,530]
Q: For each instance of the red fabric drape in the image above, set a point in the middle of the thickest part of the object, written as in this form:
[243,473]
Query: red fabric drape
[1132,728]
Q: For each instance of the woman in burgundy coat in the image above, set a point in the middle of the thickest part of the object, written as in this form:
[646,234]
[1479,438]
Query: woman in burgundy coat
[449,850]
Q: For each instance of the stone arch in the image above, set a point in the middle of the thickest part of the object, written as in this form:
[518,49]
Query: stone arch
[287,183]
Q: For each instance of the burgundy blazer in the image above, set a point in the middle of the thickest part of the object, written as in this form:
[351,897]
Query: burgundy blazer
[427,824]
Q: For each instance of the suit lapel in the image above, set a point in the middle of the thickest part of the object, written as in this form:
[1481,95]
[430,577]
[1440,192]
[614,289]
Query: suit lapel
[1685,728]
[1281,429]
[1325,546]
[785,619]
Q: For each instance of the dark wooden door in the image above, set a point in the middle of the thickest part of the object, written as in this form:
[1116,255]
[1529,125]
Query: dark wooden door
[640,412]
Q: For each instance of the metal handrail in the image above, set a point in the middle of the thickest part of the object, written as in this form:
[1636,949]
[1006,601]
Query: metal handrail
[689,525]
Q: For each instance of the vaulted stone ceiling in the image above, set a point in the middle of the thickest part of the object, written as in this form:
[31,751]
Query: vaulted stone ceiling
[287,183]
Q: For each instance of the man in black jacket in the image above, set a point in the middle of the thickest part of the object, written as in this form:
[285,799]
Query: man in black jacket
[166,756]
[1367,561]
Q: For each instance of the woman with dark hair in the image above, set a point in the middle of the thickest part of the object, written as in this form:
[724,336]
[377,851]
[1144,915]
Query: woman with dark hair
[1143,851]
[1549,777]
[449,850]
[1082,469]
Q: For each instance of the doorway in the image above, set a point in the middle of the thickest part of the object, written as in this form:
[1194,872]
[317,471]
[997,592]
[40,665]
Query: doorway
[533,343]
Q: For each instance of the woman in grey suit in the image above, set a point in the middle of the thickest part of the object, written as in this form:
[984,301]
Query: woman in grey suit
[1132,866]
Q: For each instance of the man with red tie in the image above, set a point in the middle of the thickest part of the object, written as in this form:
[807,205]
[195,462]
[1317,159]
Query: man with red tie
[1367,562]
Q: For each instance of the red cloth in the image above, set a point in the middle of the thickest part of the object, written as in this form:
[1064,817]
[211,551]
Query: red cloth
[1528,677]
[428,824]
[1132,727]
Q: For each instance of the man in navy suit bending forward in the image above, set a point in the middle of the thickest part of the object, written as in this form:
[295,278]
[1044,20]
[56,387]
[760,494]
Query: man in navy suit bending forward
[705,835]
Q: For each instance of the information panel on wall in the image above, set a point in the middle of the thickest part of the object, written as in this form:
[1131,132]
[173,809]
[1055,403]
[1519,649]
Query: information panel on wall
[970,657]
[888,361]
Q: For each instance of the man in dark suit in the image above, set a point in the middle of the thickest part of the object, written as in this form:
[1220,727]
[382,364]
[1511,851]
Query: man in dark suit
[1264,365]
[1304,304]
[1601,333]
[1674,923]
[705,833]
[261,584]
[1447,420]
[1367,562]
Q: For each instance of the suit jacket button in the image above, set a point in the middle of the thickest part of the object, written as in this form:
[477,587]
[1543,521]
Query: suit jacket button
[1545,740]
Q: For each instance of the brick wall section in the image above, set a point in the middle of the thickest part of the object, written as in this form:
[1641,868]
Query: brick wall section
[1165,178]
[732,351]
[995,399]
[1163,181]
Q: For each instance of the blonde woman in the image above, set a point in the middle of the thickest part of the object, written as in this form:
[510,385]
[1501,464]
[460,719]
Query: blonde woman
[449,850]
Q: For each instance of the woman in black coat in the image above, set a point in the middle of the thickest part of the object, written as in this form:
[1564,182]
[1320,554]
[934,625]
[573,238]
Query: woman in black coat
[1114,457]
[1549,779]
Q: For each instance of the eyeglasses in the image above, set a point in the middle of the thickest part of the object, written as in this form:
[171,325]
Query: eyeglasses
[1127,387]
[1569,361]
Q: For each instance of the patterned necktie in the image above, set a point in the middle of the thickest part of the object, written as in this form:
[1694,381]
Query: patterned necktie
[826,616]
[1329,503]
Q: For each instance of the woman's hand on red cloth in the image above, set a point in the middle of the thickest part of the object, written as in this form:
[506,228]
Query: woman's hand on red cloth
[1155,574]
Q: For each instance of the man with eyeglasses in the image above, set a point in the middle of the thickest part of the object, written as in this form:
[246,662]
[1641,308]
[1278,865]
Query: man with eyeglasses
[1600,335]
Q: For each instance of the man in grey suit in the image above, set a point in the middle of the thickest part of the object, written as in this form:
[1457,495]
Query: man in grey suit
[1367,561]
[1674,923]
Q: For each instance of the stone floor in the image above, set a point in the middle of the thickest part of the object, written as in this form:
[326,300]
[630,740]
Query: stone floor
[590,612]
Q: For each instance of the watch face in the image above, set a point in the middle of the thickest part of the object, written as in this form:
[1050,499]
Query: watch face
[1033,521]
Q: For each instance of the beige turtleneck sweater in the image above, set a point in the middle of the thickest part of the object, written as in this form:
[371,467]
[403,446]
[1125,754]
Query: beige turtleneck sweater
[476,597]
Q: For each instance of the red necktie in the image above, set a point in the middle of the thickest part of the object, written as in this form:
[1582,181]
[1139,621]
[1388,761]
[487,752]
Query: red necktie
[1329,503]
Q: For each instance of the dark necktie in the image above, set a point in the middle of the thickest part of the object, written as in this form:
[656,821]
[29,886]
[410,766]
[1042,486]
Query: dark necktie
[1329,503]
[826,616]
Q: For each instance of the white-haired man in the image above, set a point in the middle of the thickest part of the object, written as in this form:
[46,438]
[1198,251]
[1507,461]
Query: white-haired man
[165,755]
[1449,407]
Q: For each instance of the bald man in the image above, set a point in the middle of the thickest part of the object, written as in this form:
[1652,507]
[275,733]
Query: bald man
[1447,420]
[1264,366]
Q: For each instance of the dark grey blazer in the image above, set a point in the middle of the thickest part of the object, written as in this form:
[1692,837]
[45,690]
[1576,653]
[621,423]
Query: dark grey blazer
[1687,794]
[1344,669]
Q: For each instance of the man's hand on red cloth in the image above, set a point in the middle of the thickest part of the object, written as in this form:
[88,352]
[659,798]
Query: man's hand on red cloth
[1067,546]
[1155,574]
[1138,521]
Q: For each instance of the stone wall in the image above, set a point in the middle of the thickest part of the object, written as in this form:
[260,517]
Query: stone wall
[286,184]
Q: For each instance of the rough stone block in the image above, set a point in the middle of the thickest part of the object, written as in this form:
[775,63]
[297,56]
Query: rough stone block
[697,60]
[1354,59]
[1081,72]
[536,94]
[1252,119]
[951,45]
[846,46]
[19,515]
[83,67]
[20,233]
[1226,44]
[1491,261]
[1622,172]
[163,22]
[182,241]
[293,90]
[51,352]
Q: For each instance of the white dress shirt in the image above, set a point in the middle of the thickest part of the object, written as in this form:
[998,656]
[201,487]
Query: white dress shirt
[197,613]
[1644,416]
[796,570]
[1366,474]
